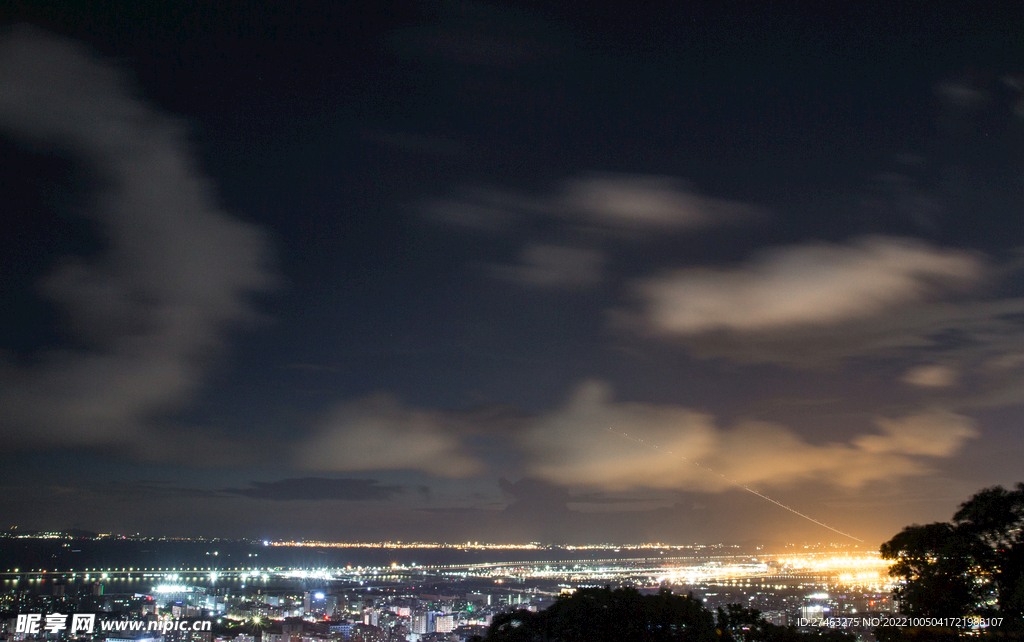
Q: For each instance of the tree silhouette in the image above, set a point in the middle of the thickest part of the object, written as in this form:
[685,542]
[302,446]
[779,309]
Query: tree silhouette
[935,564]
[994,521]
[973,565]
[597,614]
[604,615]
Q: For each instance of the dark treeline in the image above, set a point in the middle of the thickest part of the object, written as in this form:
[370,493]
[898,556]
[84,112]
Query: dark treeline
[970,567]
[606,615]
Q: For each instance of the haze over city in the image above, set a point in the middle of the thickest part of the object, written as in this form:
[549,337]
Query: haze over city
[509,273]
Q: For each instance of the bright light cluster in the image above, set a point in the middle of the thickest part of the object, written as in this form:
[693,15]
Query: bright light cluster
[711,572]
[862,569]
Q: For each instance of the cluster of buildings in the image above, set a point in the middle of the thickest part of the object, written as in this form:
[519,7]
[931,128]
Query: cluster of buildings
[231,614]
[399,603]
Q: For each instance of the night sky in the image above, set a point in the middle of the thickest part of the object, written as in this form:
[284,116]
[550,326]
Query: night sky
[409,271]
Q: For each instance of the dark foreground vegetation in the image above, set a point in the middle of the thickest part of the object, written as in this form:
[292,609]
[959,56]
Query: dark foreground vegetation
[973,565]
[604,615]
[970,567]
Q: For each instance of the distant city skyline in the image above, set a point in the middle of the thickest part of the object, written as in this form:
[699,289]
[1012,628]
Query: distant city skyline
[506,272]
[329,603]
[17,533]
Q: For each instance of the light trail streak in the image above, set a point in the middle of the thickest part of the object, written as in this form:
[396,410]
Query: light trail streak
[737,484]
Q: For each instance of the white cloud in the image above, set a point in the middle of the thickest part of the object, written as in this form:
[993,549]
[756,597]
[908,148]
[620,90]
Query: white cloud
[819,284]
[588,211]
[930,376]
[1008,361]
[623,203]
[581,444]
[379,433]
[555,266]
[935,433]
[986,330]
[638,202]
[485,210]
[962,95]
[178,270]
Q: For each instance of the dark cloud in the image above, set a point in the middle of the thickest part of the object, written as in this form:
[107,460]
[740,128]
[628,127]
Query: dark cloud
[292,489]
[532,491]
[898,197]
[967,92]
[201,446]
[457,510]
[485,209]
[114,493]
[317,489]
[155,307]
[555,266]
[153,489]
[380,433]
[611,500]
